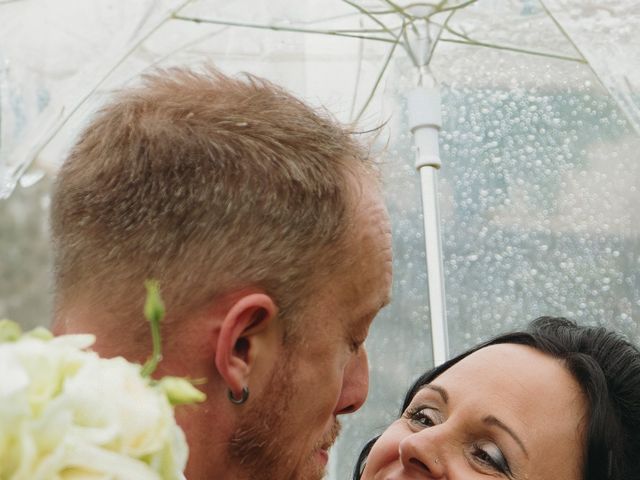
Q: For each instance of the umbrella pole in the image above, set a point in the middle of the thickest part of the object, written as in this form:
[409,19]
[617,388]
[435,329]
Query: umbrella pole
[424,106]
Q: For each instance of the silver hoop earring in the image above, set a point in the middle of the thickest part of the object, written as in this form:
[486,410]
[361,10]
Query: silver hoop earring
[436,460]
[242,399]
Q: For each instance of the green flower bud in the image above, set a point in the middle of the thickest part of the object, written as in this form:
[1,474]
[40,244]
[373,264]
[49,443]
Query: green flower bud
[153,307]
[10,331]
[180,391]
[40,333]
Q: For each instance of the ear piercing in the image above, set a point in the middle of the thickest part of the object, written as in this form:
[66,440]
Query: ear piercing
[242,399]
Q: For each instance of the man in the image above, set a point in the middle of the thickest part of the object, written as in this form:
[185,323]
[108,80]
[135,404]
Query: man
[264,224]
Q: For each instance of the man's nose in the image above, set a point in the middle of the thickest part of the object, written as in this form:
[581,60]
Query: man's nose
[355,384]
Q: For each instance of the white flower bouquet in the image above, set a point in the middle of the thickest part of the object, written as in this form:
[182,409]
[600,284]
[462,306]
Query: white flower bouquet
[67,414]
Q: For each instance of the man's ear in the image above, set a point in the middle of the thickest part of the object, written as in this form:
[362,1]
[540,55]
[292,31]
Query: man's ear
[244,333]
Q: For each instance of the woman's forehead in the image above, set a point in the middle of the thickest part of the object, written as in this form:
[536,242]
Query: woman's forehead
[518,372]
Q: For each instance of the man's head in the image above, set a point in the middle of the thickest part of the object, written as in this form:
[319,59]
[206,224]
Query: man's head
[263,223]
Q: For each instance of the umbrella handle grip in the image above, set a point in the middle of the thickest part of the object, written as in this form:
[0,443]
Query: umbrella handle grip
[424,107]
[425,120]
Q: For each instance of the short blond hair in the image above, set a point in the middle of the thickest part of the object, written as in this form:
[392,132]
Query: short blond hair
[206,183]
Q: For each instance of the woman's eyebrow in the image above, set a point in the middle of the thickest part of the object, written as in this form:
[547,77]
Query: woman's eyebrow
[443,393]
[491,420]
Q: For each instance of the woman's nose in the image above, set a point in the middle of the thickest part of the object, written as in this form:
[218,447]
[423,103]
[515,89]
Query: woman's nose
[420,455]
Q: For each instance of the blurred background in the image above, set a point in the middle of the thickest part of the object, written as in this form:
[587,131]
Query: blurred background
[539,185]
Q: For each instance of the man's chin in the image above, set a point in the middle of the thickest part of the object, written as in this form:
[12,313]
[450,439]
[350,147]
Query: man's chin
[322,457]
[316,466]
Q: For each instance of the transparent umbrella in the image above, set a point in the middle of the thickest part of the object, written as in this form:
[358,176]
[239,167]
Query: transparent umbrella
[538,139]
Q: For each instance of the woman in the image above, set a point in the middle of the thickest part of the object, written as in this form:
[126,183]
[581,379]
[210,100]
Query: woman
[558,401]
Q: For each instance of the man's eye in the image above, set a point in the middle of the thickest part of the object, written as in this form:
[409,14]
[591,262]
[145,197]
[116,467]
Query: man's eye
[491,456]
[422,416]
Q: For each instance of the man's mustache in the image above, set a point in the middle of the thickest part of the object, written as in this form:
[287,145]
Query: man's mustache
[331,436]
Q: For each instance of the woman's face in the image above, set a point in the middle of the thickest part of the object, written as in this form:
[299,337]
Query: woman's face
[505,411]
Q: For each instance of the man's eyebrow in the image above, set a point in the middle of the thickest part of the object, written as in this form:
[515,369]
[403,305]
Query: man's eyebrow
[443,393]
[491,420]
[367,318]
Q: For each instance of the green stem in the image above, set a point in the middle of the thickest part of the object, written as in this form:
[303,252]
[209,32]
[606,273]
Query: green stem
[156,355]
[277,28]
[154,312]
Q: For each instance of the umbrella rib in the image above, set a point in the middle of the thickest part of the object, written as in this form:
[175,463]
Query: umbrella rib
[276,28]
[444,26]
[570,40]
[471,41]
[397,9]
[593,70]
[379,77]
[475,43]
[190,43]
[67,116]
[408,48]
[368,30]
[358,74]
[453,8]
[370,15]
[462,35]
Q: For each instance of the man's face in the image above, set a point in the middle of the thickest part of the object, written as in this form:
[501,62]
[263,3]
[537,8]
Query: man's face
[288,433]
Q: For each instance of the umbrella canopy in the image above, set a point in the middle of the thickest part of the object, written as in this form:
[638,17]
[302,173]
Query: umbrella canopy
[538,144]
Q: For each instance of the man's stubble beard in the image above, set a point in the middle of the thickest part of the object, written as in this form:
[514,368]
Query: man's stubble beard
[263,443]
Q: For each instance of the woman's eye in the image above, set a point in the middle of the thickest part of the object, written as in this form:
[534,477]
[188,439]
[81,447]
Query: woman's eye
[491,456]
[423,416]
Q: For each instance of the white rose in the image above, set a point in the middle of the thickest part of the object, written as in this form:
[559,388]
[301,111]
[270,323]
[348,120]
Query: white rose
[68,414]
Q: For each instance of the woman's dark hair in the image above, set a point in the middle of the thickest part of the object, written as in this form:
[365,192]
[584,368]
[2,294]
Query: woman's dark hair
[606,366]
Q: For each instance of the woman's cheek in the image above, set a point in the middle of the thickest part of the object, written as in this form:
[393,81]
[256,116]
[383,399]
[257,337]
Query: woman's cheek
[385,452]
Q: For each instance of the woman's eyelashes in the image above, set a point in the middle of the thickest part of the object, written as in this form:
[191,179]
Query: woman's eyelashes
[489,455]
[486,455]
[423,416]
